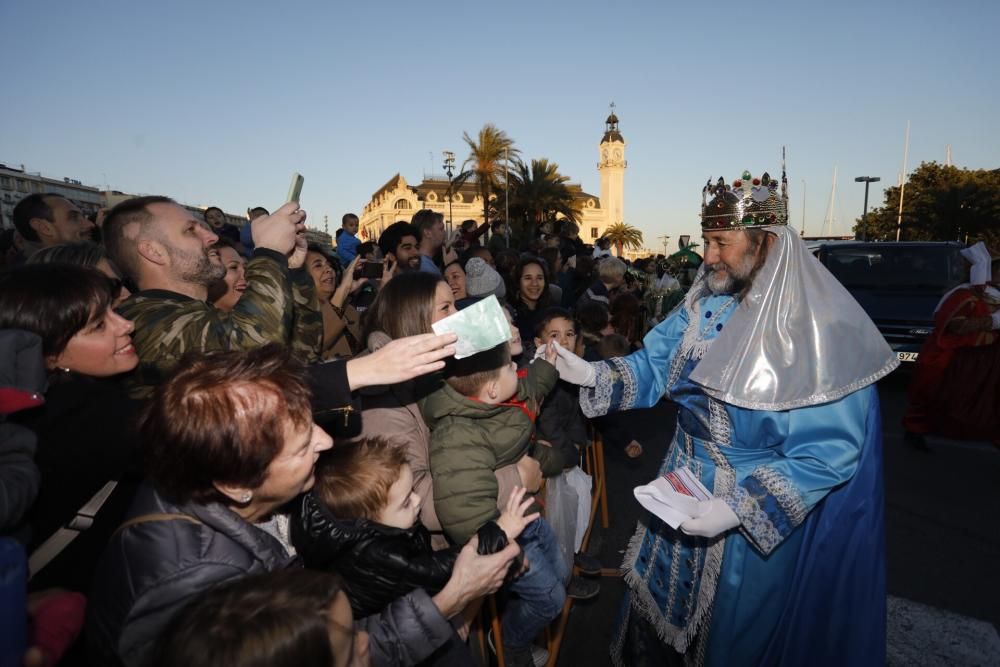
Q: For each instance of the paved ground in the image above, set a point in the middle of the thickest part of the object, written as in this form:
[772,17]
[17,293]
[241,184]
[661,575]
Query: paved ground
[943,548]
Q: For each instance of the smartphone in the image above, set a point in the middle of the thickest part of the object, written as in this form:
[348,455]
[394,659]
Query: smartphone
[295,189]
[370,270]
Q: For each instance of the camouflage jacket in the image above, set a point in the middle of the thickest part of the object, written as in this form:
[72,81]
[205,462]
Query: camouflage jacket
[306,334]
[169,325]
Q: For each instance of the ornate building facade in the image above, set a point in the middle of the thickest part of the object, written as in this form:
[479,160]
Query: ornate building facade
[398,200]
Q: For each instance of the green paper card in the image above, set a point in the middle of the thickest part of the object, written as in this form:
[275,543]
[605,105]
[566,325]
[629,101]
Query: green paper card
[481,326]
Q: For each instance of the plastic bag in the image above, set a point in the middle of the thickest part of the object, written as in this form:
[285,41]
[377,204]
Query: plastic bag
[561,509]
[582,483]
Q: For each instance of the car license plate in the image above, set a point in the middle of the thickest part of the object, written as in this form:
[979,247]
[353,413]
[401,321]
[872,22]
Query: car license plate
[907,356]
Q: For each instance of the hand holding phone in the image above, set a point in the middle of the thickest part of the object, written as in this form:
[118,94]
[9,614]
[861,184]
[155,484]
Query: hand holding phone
[369,269]
[279,230]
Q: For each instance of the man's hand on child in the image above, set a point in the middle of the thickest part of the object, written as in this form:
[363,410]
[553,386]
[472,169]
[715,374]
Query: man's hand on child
[513,519]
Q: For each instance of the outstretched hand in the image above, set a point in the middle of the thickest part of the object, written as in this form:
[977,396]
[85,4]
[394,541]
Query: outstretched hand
[513,520]
[401,360]
[572,368]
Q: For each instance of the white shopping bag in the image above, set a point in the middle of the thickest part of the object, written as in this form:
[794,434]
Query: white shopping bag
[582,483]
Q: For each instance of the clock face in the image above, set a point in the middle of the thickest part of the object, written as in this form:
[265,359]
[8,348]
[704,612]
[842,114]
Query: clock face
[604,154]
[618,154]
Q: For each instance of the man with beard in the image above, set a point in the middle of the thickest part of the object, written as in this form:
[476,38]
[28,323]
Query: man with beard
[772,365]
[43,220]
[165,251]
[400,245]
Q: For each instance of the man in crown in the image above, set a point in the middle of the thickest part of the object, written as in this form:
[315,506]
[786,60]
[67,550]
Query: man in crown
[772,365]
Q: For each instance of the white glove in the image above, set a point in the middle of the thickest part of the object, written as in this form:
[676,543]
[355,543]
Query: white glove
[715,519]
[571,368]
[996,319]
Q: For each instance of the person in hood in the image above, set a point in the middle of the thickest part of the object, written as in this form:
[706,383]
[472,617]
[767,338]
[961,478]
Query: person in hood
[772,365]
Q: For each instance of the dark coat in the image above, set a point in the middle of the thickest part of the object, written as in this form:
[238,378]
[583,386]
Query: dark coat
[151,569]
[378,563]
[22,381]
[86,438]
[561,423]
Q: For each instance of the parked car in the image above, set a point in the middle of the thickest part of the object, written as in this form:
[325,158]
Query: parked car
[898,284]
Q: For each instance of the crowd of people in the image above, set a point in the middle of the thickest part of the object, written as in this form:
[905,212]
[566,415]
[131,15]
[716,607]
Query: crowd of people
[229,446]
[175,384]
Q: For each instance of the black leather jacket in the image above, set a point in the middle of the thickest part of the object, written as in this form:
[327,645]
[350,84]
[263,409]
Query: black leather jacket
[378,563]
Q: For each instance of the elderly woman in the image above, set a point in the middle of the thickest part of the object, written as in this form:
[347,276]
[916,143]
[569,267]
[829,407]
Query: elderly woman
[83,432]
[228,441]
[341,322]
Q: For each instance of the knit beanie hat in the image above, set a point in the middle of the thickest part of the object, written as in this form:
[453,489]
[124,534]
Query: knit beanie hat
[482,280]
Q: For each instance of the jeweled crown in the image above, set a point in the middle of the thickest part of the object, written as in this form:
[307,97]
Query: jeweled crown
[748,202]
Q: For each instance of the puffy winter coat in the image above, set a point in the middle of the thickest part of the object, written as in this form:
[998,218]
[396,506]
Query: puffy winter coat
[391,412]
[151,569]
[471,439]
[562,424]
[378,563]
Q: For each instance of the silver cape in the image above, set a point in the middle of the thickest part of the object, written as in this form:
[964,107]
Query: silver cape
[797,339]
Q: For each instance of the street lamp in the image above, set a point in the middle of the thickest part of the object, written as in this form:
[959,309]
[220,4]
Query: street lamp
[449,168]
[867,180]
[665,238]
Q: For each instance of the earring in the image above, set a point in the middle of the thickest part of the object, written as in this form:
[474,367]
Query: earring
[246,497]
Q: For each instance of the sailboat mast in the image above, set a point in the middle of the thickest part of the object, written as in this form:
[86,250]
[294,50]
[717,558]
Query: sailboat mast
[829,209]
[902,183]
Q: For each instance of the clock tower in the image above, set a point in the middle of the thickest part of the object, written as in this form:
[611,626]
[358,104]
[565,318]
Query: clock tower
[612,169]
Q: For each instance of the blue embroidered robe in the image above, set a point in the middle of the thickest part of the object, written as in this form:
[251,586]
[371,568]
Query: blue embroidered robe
[802,579]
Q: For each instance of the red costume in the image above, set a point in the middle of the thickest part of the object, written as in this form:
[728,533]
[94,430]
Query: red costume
[956,387]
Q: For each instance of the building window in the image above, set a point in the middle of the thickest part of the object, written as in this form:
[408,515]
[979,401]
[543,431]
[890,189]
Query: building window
[22,185]
[6,181]
[593,232]
[402,204]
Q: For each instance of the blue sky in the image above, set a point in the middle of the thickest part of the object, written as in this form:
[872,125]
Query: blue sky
[219,102]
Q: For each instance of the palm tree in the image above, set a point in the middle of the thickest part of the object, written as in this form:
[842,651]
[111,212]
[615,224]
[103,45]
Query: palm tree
[538,194]
[623,236]
[489,155]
